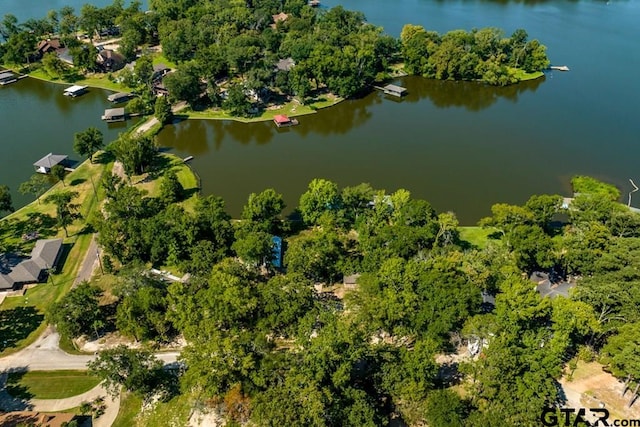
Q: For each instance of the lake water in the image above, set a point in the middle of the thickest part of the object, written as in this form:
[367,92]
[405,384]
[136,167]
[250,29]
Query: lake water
[461,146]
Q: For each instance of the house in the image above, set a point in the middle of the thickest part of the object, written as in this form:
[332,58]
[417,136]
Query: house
[280,17]
[44,256]
[114,115]
[45,164]
[159,71]
[110,60]
[65,56]
[281,120]
[285,64]
[36,419]
[48,46]
[394,90]
[75,90]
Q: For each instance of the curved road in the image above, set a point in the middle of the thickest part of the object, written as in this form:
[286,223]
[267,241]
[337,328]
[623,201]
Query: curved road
[45,355]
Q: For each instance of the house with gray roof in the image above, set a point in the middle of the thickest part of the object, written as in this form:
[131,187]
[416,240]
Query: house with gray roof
[44,256]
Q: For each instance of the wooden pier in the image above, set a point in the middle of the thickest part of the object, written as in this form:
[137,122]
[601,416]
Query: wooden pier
[559,67]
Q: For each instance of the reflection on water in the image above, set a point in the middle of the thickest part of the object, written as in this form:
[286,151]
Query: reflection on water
[473,96]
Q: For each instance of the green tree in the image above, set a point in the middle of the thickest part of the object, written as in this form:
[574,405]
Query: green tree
[144,69]
[19,48]
[53,65]
[142,313]
[138,371]
[184,83]
[262,211]
[66,212]
[171,190]
[322,196]
[59,173]
[136,153]
[36,185]
[5,199]
[77,312]
[237,103]
[254,247]
[88,142]
[163,111]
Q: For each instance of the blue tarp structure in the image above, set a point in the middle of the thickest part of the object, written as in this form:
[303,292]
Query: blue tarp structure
[276,260]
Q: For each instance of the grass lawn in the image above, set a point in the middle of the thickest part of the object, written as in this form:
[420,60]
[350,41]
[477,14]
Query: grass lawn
[27,312]
[522,75]
[476,236]
[49,384]
[130,406]
[97,80]
[291,109]
[172,413]
[159,58]
[186,176]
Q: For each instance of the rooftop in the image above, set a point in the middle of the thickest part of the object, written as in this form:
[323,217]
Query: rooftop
[281,118]
[114,112]
[75,88]
[50,160]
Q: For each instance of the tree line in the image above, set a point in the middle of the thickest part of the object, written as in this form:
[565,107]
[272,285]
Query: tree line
[266,345]
[227,52]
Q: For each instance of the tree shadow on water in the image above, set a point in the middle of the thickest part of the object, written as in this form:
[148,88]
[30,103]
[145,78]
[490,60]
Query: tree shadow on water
[16,324]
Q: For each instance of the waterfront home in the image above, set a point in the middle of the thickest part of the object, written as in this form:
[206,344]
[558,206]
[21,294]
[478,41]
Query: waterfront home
[110,60]
[117,98]
[75,90]
[44,256]
[48,46]
[114,115]
[45,164]
[282,120]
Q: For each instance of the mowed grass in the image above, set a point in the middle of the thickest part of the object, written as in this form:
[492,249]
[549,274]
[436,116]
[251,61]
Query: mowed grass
[130,405]
[49,384]
[186,176]
[25,314]
[291,109]
[100,81]
[476,236]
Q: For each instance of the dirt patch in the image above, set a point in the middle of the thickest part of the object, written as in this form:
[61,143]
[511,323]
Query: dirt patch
[591,387]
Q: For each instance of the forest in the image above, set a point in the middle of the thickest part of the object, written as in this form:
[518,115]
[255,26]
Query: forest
[234,53]
[297,345]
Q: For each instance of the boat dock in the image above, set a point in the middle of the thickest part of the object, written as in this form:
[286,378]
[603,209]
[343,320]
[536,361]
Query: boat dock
[117,98]
[75,90]
[113,115]
[559,67]
[282,120]
[187,159]
[7,77]
[394,90]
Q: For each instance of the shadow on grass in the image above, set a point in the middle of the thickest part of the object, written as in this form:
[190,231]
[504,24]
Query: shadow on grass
[15,397]
[15,388]
[190,192]
[42,225]
[17,323]
[103,158]
[77,181]
[64,254]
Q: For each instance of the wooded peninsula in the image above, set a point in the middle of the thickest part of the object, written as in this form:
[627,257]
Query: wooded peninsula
[243,56]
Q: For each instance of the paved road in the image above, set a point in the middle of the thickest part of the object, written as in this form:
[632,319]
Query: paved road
[45,355]
[89,264]
[153,121]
